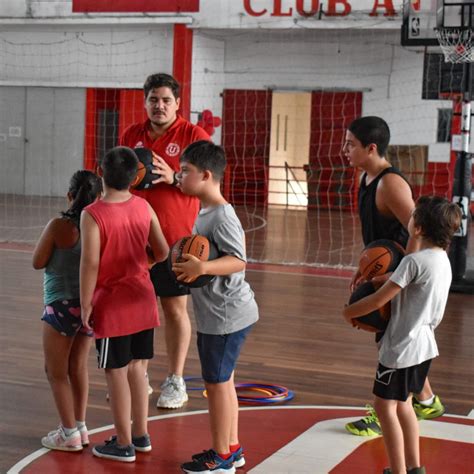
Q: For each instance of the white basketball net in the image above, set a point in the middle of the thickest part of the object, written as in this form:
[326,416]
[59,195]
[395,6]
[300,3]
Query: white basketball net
[457,44]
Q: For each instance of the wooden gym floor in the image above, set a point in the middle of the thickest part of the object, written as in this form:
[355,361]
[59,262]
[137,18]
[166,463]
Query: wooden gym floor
[301,342]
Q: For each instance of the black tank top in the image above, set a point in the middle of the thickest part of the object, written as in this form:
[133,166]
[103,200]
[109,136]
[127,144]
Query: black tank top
[375,225]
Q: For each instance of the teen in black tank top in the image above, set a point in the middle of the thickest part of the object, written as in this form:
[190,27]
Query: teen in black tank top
[374,225]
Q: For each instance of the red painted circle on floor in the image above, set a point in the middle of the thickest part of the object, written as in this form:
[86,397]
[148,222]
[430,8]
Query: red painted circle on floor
[263,432]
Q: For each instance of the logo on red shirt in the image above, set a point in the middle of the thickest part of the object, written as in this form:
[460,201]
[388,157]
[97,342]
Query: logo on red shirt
[173,149]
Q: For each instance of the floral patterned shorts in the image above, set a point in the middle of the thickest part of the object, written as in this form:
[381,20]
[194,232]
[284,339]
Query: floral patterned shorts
[65,317]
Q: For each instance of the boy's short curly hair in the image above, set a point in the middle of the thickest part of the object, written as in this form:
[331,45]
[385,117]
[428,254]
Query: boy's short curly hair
[438,219]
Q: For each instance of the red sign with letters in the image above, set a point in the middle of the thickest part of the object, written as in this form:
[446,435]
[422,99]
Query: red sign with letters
[116,6]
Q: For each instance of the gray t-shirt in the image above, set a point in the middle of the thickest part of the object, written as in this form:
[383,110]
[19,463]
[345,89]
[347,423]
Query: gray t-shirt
[425,278]
[227,304]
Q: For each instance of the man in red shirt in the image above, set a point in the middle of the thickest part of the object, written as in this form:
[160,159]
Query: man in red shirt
[167,135]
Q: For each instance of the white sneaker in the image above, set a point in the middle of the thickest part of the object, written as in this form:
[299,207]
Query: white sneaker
[60,441]
[173,393]
[150,388]
[84,435]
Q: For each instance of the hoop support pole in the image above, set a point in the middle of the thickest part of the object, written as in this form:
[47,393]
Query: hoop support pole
[465,125]
[461,195]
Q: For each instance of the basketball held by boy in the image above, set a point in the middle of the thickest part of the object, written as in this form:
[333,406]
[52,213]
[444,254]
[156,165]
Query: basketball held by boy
[418,291]
[385,204]
[225,309]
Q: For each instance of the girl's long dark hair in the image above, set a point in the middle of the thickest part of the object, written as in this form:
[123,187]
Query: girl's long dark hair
[84,188]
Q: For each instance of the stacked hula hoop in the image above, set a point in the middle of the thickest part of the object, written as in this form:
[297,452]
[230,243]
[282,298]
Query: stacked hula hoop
[267,394]
[253,393]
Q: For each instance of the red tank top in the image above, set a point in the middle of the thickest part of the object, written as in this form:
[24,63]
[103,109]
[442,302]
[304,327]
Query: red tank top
[124,301]
[176,211]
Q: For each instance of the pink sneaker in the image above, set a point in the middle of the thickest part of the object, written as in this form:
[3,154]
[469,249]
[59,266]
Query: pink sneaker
[58,440]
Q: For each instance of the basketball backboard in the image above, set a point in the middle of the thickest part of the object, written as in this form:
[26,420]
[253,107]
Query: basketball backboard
[419,22]
[421,17]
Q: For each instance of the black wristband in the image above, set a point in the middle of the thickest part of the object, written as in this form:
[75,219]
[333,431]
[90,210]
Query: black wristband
[175,179]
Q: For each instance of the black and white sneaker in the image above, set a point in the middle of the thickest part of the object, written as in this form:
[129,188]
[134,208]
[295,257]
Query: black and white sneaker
[142,443]
[111,450]
[209,462]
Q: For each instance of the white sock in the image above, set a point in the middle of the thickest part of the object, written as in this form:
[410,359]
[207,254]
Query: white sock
[80,424]
[69,431]
[427,402]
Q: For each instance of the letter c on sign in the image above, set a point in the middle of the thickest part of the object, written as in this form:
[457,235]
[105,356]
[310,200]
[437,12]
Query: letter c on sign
[250,11]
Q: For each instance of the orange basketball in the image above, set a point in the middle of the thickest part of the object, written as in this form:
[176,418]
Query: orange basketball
[144,177]
[379,257]
[141,172]
[198,246]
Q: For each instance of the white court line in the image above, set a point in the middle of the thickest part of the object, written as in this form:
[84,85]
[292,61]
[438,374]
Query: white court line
[323,446]
[40,452]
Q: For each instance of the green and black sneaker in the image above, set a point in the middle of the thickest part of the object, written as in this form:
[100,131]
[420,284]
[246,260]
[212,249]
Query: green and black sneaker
[368,426]
[428,412]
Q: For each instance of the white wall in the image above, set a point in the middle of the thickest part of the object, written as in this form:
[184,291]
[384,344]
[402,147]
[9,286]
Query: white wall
[12,139]
[86,56]
[207,76]
[54,132]
[13,8]
[28,8]
[122,56]
[232,13]
[41,139]
[371,61]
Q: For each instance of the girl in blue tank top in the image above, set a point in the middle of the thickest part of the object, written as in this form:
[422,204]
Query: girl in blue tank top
[66,344]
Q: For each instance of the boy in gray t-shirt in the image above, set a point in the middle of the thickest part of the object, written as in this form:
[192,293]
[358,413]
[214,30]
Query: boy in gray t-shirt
[225,309]
[418,290]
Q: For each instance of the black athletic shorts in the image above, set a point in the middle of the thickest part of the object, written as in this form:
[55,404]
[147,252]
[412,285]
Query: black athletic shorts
[164,281]
[117,352]
[398,384]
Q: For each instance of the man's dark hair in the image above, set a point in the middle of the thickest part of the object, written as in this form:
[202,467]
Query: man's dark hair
[119,167]
[371,130]
[438,219]
[206,156]
[161,80]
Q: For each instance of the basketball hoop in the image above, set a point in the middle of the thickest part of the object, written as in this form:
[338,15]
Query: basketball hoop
[456,43]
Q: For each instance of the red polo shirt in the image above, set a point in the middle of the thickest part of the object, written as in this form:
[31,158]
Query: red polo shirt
[176,211]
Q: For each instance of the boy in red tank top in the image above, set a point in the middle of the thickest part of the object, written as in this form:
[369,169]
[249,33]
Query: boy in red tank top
[118,299]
